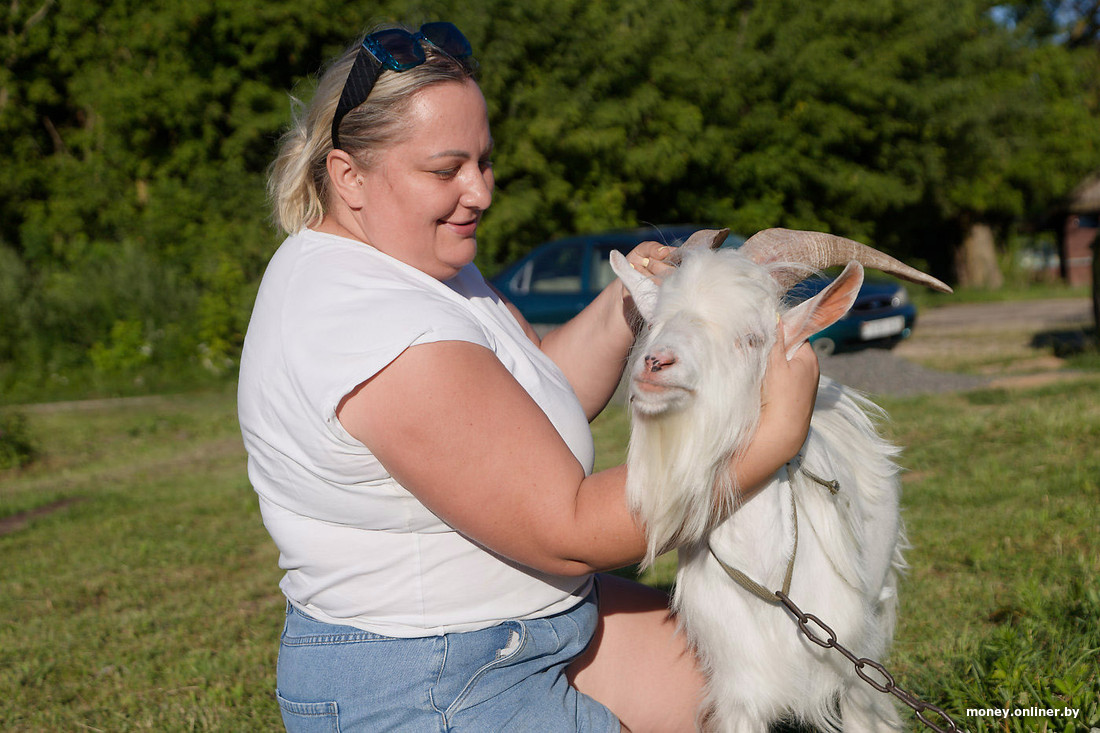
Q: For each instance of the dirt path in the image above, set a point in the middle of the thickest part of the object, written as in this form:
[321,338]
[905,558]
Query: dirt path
[16,522]
[970,346]
[1035,315]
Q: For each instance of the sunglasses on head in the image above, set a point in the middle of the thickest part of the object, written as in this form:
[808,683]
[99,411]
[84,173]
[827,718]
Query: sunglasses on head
[397,50]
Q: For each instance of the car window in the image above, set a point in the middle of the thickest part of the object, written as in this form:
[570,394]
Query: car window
[557,270]
[602,274]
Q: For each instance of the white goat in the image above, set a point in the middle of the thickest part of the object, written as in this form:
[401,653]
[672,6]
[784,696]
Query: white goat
[695,396]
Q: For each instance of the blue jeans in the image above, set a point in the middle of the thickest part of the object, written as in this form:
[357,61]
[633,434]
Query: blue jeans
[509,677]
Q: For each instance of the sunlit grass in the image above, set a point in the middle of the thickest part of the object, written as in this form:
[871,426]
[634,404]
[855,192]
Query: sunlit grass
[1001,606]
[151,602]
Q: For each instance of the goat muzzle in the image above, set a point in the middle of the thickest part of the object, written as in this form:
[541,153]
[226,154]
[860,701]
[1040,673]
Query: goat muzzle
[658,361]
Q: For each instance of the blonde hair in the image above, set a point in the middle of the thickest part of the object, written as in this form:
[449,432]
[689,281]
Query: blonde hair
[297,184]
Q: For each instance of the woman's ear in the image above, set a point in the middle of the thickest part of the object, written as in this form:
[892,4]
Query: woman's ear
[346,178]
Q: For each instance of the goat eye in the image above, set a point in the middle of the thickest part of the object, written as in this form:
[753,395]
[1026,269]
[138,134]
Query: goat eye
[754,340]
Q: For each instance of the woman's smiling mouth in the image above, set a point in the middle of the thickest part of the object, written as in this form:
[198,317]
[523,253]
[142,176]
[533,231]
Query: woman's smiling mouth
[465,229]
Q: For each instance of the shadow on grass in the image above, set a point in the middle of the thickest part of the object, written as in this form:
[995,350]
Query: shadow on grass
[1067,343]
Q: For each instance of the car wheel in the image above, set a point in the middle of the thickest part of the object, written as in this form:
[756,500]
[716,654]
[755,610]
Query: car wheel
[824,347]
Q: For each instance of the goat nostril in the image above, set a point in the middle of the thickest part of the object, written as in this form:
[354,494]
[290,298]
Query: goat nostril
[656,363]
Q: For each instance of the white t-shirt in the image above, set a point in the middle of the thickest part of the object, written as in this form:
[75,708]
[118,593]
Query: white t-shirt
[358,549]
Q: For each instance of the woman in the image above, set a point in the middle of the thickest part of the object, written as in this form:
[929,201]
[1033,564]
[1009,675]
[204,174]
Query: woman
[423,461]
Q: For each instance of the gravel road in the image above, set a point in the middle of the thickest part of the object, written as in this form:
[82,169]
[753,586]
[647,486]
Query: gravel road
[878,371]
[946,330]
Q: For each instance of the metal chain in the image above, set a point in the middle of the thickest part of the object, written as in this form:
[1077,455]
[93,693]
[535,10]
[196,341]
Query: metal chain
[804,619]
[891,687]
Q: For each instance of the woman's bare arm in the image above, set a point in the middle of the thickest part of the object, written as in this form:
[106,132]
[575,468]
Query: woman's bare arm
[592,348]
[452,426]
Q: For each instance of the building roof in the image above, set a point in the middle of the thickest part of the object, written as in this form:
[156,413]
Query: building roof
[1085,199]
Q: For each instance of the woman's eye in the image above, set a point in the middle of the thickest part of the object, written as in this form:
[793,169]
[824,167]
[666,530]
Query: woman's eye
[446,173]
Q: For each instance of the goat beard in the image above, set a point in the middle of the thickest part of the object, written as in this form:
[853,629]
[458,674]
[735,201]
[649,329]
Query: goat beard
[679,471]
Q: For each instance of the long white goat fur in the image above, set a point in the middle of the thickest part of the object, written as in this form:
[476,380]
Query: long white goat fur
[716,319]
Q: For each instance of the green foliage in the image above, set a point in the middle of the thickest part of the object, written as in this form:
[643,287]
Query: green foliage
[14,326]
[126,350]
[136,136]
[140,133]
[894,122]
[1046,656]
[16,445]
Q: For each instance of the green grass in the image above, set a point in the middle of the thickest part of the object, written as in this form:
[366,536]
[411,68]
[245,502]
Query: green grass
[1012,291]
[150,601]
[38,383]
[1001,607]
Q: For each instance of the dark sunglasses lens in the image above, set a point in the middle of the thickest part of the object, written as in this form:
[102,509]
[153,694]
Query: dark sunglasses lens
[448,38]
[403,50]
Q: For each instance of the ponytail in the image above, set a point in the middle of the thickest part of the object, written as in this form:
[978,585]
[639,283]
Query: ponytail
[298,184]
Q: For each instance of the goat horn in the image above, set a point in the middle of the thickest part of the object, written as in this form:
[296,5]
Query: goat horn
[702,239]
[817,250]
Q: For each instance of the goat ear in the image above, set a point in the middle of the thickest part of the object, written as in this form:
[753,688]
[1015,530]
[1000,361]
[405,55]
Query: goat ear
[641,288]
[824,309]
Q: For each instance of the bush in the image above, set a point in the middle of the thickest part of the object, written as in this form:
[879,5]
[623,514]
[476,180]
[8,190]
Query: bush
[16,447]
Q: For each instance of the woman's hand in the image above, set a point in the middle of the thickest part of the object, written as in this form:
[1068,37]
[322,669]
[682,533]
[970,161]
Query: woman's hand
[789,392]
[654,260]
[790,389]
[591,349]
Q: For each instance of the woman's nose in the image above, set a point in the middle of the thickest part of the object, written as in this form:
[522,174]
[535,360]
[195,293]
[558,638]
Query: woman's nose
[479,191]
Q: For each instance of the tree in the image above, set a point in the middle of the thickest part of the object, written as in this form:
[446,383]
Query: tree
[909,124]
[136,136]
[1075,25]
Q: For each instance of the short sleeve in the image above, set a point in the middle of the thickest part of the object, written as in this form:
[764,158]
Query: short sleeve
[356,323]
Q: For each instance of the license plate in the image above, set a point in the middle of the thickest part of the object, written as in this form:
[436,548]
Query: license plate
[881,328]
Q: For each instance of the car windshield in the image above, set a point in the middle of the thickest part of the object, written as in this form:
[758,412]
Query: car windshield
[557,271]
[602,274]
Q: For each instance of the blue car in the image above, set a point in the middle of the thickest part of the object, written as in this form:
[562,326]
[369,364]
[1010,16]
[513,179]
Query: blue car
[558,279]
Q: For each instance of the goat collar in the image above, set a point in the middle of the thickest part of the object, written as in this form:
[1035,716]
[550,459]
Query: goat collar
[748,583]
[751,585]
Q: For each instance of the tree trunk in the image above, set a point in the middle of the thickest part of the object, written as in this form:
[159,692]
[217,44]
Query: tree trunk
[1096,284]
[976,259]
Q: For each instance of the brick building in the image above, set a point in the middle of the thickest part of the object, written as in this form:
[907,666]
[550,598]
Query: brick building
[1078,239]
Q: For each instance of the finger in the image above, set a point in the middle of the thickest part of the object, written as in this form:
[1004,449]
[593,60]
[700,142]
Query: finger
[779,350]
[651,259]
[641,261]
[663,253]
[805,360]
[660,268]
[652,250]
